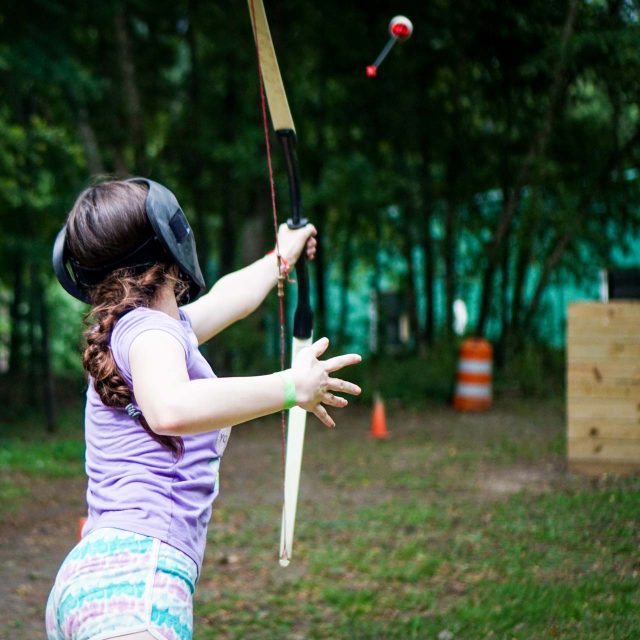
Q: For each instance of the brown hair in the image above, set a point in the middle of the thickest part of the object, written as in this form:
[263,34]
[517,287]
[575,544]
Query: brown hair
[108,221]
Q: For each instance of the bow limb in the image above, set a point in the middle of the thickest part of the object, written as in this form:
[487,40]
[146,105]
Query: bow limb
[303,317]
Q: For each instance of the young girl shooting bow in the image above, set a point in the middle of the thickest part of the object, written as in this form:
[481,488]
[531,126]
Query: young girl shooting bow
[157,419]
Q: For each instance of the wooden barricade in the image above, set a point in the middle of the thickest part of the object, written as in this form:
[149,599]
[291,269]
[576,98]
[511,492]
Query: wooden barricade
[603,387]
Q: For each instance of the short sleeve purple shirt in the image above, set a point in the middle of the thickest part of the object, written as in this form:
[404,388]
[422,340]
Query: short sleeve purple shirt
[134,482]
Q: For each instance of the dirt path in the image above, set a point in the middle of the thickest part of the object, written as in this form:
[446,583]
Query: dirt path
[33,542]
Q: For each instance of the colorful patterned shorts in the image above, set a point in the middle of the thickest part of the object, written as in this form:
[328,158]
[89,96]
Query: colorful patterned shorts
[115,582]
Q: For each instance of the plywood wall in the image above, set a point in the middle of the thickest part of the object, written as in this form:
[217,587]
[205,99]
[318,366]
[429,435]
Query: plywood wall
[603,387]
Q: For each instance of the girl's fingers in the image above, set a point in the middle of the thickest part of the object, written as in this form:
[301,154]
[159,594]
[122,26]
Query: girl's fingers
[338,362]
[321,413]
[334,401]
[336,384]
[312,245]
[320,346]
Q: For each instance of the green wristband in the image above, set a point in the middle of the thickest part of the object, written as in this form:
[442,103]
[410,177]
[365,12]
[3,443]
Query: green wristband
[289,389]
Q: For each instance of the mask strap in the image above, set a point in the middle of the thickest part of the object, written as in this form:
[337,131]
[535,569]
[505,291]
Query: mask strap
[141,258]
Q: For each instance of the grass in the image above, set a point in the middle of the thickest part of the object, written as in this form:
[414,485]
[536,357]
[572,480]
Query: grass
[52,458]
[528,567]
[429,536]
[459,527]
[26,451]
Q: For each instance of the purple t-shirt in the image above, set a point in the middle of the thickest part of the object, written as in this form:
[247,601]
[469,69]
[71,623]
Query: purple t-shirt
[135,483]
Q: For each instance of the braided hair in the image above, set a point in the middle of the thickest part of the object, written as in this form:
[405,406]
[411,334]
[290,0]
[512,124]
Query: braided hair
[107,221]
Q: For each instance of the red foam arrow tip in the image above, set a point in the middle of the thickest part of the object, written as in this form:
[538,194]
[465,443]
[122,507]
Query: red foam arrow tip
[400,31]
[372,71]
[400,28]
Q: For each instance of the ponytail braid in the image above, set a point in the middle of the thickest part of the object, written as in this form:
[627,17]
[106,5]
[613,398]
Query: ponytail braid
[119,293]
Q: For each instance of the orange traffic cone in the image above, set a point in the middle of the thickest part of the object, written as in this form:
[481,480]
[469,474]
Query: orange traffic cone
[81,523]
[378,420]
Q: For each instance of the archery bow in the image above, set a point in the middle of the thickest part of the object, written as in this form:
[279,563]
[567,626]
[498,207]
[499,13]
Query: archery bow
[283,125]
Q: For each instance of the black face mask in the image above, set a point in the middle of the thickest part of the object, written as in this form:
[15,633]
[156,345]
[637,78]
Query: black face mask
[172,241]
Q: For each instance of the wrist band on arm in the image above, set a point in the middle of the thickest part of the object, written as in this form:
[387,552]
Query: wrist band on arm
[289,389]
[285,264]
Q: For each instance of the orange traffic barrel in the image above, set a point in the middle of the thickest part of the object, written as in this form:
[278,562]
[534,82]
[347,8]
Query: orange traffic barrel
[473,384]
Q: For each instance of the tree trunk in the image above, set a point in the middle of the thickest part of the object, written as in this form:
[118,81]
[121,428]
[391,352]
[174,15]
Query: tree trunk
[16,321]
[228,237]
[565,237]
[524,249]
[504,307]
[33,375]
[426,243]
[375,292]
[44,359]
[411,289]
[537,150]
[429,281]
[346,264]
[130,93]
[450,244]
[319,320]
[194,162]
[89,142]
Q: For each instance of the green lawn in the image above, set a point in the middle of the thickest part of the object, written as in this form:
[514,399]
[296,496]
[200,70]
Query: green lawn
[27,452]
[457,527]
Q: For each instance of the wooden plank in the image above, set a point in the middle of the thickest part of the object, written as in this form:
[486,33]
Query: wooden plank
[615,450]
[603,387]
[601,467]
[579,389]
[621,408]
[603,313]
[590,336]
[611,379]
[596,349]
[587,338]
[603,428]
[622,372]
[585,331]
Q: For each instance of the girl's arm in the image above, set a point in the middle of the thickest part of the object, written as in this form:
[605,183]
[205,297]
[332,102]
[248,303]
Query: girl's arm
[174,405]
[238,294]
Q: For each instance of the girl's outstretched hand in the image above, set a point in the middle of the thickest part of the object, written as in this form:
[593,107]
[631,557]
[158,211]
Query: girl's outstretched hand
[314,386]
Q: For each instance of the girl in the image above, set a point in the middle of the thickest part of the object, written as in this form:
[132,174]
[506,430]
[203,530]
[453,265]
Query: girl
[157,419]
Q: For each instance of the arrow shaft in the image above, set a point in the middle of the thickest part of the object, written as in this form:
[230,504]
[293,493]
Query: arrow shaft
[384,52]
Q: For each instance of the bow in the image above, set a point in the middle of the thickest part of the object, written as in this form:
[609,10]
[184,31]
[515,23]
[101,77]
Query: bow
[303,317]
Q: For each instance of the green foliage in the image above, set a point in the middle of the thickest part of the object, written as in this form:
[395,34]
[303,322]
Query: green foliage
[50,458]
[67,344]
[499,144]
[408,379]
[535,371]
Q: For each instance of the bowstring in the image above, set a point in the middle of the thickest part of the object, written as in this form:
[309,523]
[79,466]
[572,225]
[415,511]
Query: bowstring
[274,210]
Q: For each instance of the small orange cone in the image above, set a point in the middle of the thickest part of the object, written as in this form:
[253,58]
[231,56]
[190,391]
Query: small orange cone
[378,420]
[81,523]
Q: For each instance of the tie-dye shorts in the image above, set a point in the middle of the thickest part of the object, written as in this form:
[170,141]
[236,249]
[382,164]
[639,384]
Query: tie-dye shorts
[115,582]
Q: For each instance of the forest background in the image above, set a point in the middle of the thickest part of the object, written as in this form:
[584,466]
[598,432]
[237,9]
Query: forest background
[493,158]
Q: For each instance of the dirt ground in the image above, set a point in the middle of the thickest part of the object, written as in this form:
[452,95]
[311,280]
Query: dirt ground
[33,542]
[35,539]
